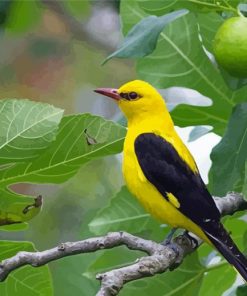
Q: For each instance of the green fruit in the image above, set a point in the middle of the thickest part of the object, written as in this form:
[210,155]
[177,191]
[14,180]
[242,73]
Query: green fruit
[230,46]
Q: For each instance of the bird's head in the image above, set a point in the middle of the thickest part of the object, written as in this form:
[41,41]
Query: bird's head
[135,98]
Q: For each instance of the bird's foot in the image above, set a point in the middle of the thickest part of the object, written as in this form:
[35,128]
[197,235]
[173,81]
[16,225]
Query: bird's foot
[192,239]
[168,239]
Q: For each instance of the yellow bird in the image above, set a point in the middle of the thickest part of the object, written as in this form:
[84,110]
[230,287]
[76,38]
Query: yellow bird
[160,171]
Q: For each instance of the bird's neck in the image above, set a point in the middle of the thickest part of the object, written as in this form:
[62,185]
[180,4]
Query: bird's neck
[153,121]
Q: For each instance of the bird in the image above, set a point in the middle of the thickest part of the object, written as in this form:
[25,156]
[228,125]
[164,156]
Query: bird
[162,174]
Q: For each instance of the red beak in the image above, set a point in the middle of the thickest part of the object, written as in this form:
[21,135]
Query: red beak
[109,92]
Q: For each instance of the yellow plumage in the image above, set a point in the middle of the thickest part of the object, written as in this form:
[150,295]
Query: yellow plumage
[157,121]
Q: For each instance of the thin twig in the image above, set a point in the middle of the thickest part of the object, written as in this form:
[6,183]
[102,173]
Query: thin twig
[160,257]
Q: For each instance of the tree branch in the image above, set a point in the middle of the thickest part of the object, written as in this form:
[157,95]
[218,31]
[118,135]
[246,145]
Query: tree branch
[160,257]
[81,31]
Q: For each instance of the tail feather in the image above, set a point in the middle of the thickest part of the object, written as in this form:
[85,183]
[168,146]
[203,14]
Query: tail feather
[225,245]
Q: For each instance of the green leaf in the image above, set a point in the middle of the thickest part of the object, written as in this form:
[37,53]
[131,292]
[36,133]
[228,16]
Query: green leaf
[180,60]
[209,23]
[123,213]
[20,19]
[160,7]
[229,156]
[27,129]
[14,227]
[142,38]
[26,281]
[218,280]
[80,139]
[244,190]
[242,290]
[16,208]
[4,11]
[198,132]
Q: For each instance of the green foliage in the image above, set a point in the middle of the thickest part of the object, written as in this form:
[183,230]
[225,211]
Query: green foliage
[27,129]
[38,146]
[142,38]
[242,290]
[80,138]
[122,213]
[229,156]
[70,150]
[27,281]
[125,213]
[173,62]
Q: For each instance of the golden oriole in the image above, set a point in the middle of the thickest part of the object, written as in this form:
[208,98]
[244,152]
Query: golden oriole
[160,171]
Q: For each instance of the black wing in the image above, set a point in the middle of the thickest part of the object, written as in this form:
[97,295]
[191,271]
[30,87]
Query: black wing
[164,168]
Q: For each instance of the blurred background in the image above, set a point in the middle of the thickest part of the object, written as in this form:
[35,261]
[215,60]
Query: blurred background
[51,51]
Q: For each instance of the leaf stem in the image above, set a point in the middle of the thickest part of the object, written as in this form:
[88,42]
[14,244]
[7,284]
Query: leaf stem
[217,6]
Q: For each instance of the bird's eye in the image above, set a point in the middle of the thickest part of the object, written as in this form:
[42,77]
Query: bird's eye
[133,95]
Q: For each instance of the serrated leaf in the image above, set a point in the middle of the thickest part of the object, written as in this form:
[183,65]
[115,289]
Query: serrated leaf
[179,60]
[26,281]
[27,129]
[142,38]
[123,213]
[229,156]
[198,132]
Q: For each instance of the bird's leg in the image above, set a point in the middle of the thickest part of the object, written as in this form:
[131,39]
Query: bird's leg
[172,245]
[169,237]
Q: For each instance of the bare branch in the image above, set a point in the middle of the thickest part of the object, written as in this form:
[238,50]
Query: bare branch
[160,257]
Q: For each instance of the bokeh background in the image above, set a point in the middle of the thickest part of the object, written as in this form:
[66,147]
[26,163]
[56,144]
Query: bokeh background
[51,51]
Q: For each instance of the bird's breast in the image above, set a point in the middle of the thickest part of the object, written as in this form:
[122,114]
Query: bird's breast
[140,187]
[148,195]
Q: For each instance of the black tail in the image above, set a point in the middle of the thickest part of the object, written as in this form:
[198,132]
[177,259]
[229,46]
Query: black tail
[225,245]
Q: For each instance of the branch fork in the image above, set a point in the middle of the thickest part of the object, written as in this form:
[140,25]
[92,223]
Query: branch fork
[159,257]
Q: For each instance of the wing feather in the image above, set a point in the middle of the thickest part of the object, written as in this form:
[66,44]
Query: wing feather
[169,173]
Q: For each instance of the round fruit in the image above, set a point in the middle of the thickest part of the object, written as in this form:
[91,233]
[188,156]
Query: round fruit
[230,46]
